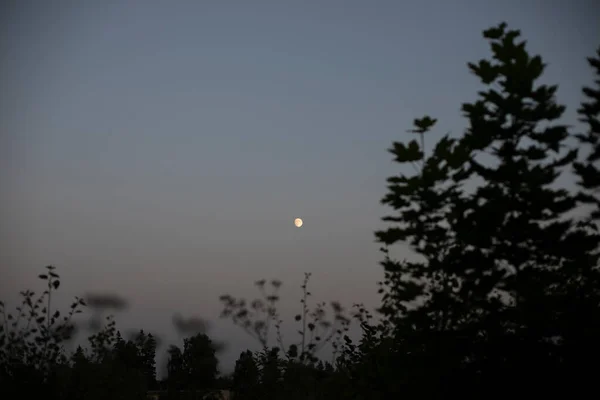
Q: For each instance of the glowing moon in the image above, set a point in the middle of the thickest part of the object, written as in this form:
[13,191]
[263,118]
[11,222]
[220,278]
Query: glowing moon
[298,222]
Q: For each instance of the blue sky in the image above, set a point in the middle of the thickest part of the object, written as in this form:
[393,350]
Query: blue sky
[161,149]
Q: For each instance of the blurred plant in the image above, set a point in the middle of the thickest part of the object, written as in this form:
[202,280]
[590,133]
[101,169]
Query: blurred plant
[262,314]
[192,326]
[100,304]
[103,301]
[189,326]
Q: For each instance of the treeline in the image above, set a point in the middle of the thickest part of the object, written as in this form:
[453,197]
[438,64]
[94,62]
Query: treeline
[504,299]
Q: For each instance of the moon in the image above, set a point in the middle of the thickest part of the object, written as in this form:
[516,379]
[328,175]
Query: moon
[298,222]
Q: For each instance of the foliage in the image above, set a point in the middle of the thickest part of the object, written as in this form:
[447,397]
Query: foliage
[506,272]
[200,361]
[176,375]
[146,348]
[589,171]
[31,339]
[259,316]
[246,376]
[34,359]
[194,368]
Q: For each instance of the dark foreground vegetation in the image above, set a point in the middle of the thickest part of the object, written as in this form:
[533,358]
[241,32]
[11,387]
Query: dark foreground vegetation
[504,300]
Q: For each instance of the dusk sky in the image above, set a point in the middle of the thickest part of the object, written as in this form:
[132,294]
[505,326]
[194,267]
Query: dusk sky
[160,150]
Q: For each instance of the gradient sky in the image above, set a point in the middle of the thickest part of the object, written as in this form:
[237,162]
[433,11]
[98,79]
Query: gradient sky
[160,150]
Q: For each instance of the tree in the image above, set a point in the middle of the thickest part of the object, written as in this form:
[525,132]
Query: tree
[200,362]
[504,265]
[126,375]
[79,382]
[588,171]
[246,377]
[146,347]
[582,320]
[175,371]
[269,364]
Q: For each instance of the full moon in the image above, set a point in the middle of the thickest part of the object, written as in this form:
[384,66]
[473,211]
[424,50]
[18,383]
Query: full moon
[298,222]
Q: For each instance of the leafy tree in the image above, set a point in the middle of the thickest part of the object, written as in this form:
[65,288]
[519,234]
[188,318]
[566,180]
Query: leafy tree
[176,375]
[146,347]
[114,368]
[126,376]
[588,171]
[270,365]
[246,377]
[503,265]
[200,362]
[581,321]
[80,374]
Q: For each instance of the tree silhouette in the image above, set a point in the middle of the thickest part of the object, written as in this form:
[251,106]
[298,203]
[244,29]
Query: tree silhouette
[79,380]
[588,171]
[146,348]
[176,375]
[200,362]
[270,365]
[246,377]
[505,267]
[126,379]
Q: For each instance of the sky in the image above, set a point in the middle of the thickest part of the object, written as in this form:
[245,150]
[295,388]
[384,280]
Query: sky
[160,150]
